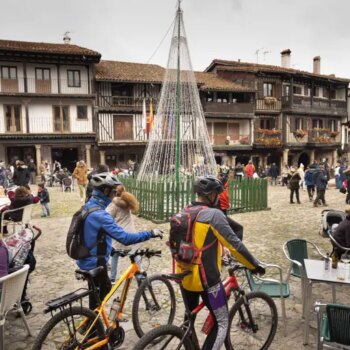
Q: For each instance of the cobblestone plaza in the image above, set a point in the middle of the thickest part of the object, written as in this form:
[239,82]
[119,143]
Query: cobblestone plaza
[264,234]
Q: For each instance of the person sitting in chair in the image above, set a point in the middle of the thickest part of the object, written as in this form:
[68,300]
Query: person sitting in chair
[342,233]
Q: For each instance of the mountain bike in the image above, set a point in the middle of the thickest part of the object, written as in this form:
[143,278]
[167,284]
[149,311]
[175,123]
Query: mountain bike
[252,325]
[77,327]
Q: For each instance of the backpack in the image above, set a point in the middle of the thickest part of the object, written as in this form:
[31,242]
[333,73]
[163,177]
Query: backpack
[181,238]
[75,246]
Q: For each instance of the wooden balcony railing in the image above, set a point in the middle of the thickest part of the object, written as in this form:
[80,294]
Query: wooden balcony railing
[234,108]
[52,86]
[223,140]
[323,136]
[268,104]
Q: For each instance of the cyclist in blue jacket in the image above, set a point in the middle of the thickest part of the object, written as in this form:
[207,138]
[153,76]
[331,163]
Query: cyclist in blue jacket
[100,229]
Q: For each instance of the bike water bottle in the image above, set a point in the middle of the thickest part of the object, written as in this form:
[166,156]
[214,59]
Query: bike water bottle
[114,309]
[208,324]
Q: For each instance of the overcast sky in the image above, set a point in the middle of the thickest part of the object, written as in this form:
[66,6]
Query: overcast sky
[131,30]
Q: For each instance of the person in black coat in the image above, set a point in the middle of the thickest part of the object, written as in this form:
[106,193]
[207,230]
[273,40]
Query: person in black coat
[320,180]
[21,175]
[342,233]
[274,171]
[294,180]
[347,178]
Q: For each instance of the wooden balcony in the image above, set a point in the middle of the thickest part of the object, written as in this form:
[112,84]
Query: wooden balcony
[268,104]
[323,136]
[268,138]
[123,103]
[304,104]
[23,86]
[228,108]
[220,141]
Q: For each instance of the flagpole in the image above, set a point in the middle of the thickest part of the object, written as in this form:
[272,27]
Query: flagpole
[178,104]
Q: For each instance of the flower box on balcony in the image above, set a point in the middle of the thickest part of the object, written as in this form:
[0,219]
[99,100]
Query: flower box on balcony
[334,134]
[269,132]
[269,100]
[244,140]
[274,141]
[322,130]
[322,139]
[299,133]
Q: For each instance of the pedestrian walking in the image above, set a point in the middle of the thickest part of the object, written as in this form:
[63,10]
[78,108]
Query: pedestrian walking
[32,171]
[44,198]
[250,169]
[284,174]
[309,181]
[80,173]
[294,184]
[274,171]
[239,171]
[321,181]
[302,175]
[3,176]
[21,176]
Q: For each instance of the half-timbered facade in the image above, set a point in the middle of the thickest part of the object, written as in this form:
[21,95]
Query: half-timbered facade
[298,116]
[46,102]
[122,88]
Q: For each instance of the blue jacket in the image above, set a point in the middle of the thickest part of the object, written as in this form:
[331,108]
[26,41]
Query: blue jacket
[320,179]
[309,177]
[100,219]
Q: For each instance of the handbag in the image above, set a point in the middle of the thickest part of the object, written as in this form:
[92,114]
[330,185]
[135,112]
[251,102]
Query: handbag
[342,190]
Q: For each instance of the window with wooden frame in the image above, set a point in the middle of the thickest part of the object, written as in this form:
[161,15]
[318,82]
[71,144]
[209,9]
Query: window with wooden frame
[9,73]
[267,123]
[297,90]
[268,89]
[61,122]
[42,74]
[82,112]
[317,123]
[298,123]
[123,127]
[332,125]
[13,118]
[73,78]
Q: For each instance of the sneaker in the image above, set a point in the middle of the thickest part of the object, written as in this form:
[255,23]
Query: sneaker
[43,215]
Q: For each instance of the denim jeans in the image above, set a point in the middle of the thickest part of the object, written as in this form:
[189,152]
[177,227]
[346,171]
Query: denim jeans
[114,266]
[45,208]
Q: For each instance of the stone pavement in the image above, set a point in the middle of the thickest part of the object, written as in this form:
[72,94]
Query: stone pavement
[265,233]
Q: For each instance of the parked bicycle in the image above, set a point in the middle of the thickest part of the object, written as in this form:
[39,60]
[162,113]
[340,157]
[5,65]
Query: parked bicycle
[77,327]
[252,325]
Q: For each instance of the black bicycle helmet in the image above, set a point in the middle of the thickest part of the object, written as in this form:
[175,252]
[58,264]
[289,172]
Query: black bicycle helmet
[206,185]
[104,180]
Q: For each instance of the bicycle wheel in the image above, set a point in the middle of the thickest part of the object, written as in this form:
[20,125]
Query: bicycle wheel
[258,334]
[154,304]
[66,330]
[164,337]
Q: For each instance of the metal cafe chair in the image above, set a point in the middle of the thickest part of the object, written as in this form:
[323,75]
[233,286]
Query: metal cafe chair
[23,222]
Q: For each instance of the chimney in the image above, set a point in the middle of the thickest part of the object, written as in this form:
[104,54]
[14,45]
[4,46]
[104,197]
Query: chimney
[317,65]
[285,58]
[66,38]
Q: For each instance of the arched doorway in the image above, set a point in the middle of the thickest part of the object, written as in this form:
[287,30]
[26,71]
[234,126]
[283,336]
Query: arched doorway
[304,158]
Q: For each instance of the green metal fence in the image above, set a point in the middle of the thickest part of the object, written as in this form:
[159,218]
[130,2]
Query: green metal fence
[159,200]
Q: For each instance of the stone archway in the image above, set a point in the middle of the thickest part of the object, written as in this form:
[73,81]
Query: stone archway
[304,158]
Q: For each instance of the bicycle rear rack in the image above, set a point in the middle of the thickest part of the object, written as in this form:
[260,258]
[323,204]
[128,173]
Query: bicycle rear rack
[68,299]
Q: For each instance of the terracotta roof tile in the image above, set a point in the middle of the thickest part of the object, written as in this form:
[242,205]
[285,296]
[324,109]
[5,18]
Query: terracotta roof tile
[150,73]
[255,67]
[129,72]
[26,46]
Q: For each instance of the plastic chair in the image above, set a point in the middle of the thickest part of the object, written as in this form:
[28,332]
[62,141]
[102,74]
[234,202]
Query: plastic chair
[12,289]
[333,324]
[275,288]
[296,250]
[25,219]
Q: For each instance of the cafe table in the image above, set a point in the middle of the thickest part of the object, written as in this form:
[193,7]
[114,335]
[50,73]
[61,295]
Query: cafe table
[316,273]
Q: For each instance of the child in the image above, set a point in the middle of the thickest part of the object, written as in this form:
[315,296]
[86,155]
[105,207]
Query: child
[44,196]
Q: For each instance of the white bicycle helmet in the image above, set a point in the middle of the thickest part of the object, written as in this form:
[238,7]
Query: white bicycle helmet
[104,180]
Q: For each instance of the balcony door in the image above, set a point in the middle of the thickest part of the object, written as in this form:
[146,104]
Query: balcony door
[9,80]
[220,133]
[61,121]
[13,118]
[42,80]
[123,127]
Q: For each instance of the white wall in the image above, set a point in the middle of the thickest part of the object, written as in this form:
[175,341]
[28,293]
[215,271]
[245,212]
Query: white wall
[31,76]
[83,78]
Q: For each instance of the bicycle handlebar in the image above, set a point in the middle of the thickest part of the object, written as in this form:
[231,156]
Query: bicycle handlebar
[132,253]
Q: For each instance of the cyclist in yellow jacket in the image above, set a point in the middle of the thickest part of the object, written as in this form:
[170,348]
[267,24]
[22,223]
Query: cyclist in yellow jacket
[211,229]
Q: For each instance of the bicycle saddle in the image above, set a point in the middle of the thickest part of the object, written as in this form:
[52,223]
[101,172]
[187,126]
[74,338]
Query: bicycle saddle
[177,276]
[91,273]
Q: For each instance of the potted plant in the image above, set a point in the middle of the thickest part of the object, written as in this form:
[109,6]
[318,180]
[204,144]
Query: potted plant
[334,134]
[299,133]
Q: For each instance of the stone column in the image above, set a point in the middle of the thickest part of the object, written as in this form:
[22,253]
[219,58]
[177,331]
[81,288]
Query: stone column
[335,157]
[38,158]
[102,157]
[264,161]
[88,156]
[312,156]
[285,156]
[233,161]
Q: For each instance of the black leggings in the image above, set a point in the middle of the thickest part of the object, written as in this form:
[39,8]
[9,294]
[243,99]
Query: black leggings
[102,282]
[215,300]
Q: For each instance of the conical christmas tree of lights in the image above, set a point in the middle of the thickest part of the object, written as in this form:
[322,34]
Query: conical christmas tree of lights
[179,144]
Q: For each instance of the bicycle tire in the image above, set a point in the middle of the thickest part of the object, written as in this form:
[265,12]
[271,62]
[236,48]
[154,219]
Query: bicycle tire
[169,299]
[242,330]
[150,341]
[66,314]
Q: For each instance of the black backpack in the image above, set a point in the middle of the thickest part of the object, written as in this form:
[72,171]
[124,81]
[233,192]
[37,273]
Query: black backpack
[75,245]
[181,238]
